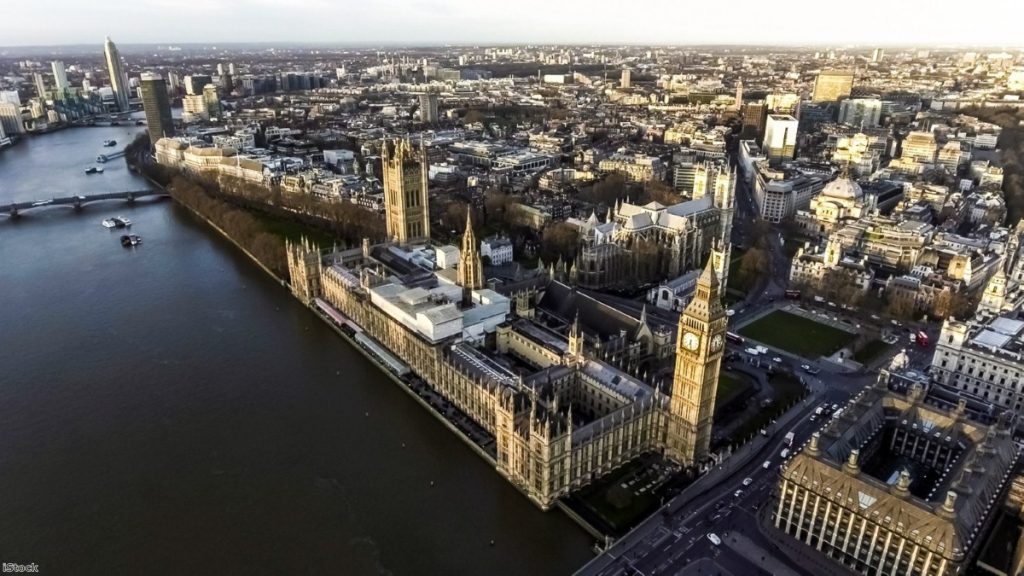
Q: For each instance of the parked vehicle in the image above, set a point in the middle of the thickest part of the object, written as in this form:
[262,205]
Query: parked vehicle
[714,539]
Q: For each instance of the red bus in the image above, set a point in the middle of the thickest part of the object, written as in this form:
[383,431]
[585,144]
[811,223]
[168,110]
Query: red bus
[734,337]
[922,339]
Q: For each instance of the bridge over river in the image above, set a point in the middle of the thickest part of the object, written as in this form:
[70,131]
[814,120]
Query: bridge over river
[77,202]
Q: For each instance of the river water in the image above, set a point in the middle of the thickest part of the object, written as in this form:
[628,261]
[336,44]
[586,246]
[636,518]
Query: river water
[170,409]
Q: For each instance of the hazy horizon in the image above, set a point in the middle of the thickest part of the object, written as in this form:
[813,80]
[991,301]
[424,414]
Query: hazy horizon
[436,23]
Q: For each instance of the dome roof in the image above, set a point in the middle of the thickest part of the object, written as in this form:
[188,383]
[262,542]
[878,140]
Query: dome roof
[843,188]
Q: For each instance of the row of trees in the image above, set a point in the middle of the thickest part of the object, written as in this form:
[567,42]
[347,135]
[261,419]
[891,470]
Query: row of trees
[343,220]
[239,224]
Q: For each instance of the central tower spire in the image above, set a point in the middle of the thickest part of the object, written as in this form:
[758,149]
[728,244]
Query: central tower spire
[471,272]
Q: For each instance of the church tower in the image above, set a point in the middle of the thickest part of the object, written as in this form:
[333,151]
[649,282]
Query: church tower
[405,192]
[699,347]
[471,270]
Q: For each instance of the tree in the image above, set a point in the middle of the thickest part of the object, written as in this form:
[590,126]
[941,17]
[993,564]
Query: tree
[658,191]
[754,263]
[606,191]
[560,240]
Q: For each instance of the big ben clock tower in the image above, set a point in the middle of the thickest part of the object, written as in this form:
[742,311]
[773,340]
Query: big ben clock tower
[699,347]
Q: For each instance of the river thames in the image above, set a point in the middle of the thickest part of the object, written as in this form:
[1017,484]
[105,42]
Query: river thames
[170,409]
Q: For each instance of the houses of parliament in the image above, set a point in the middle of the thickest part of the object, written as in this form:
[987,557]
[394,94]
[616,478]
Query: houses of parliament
[552,375]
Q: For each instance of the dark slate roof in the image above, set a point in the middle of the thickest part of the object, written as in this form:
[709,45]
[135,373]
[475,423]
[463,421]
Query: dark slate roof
[595,317]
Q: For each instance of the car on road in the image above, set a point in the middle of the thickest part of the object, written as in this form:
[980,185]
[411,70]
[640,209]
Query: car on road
[738,493]
[777,360]
[748,481]
[714,539]
[784,453]
[767,464]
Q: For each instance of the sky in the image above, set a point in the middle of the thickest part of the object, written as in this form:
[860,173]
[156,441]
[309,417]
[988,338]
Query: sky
[421,22]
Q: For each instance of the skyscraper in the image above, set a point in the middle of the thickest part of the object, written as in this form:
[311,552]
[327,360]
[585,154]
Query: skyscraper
[699,347]
[10,119]
[405,192]
[118,77]
[60,77]
[831,85]
[157,106]
[877,55]
[40,85]
[625,80]
[739,95]
[779,137]
[428,107]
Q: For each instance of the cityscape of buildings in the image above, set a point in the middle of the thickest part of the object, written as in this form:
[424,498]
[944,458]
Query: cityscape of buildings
[654,287]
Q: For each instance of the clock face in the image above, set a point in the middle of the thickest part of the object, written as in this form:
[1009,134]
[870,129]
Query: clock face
[691,341]
[716,342]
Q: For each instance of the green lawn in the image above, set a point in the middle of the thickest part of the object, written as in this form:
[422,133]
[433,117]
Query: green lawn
[729,386]
[617,502]
[870,351]
[797,335]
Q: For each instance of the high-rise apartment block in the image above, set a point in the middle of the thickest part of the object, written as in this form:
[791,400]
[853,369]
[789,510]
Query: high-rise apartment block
[118,76]
[10,119]
[157,106]
[60,76]
[831,85]
[428,107]
[624,82]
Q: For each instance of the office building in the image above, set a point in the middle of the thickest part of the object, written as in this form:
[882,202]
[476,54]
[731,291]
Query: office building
[118,76]
[60,77]
[10,119]
[194,83]
[877,55]
[861,112]
[779,142]
[428,107]
[754,118]
[831,85]
[157,106]
[406,200]
[739,95]
[783,103]
[897,485]
[624,82]
[212,100]
[780,194]
[920,147]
